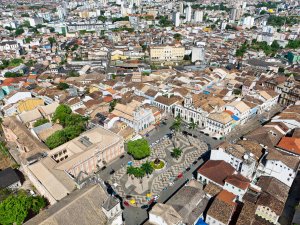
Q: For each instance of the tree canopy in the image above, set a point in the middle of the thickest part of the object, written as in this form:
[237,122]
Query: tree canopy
[40,122]
[62,86]
[15,208]
[176,153]
[60,114]
[139,149]
[74,125]
[177,36]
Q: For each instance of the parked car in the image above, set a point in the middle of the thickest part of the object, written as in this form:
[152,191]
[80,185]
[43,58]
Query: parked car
[126,203]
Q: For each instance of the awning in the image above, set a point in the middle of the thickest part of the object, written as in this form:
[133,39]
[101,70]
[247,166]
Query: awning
[234,117]
[201,222]
[229,112]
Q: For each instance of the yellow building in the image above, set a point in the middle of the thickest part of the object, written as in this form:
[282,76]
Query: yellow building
[93,88]
[29,104]
[118,57]
[207,29]
[167,53]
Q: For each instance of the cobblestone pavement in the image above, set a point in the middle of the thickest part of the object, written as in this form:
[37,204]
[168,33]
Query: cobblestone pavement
[192,149]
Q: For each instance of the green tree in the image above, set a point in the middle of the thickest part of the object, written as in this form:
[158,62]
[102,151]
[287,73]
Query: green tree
[192,125]
[37,203]
[19,31]
[139,173]
[72,132]
[237,91]
[51,29]
[131,171]
[281,70]
[62,86]
[241,51]
[15,208]
[11,74]
[139,149]
[75,120]
[176,125]
[56,139]
[275,46]
[176,153]
[147,167]
[28,40]
[112,105]
[102,18]
[52,40]
[73,73]
[24,15]
[294,44]
[40,122]
[177,36]
[60,114]
[262,12]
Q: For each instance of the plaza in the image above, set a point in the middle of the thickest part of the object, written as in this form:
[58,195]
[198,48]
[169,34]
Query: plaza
[140,191]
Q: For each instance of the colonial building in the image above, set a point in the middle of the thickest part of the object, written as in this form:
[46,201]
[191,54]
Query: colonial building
[135,115]
[197,107]
[56,175]
[289,91]
[162,53]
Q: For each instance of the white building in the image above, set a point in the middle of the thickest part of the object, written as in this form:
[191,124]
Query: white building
[198,53]
[198,16]
[35,21]
[176,18]
[240,159]
[280,166]
[219,124]
[248,22]
[240,110]
[188,13]
[134,115]
[197,108]
[9,46]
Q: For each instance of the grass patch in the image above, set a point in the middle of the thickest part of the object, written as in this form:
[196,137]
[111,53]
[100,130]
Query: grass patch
[158,166]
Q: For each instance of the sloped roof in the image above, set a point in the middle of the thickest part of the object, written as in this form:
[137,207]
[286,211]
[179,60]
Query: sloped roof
[238,181]
[216,170]
[222,207]
[81,207]
[291,144]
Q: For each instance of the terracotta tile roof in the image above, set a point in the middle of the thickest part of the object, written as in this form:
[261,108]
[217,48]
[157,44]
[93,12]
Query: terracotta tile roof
[212,189]
[227,197]
[238,181]
[274,187]
[167,101]
[216,170]
[268,136]
[270,201]
[291,144]
[108,98]
[289,160]
[252,146]
[222,209]
[247,214]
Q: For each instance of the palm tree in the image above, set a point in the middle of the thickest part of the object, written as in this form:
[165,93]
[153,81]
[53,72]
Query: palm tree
[176,153]
[177,124]
[131,171]
[147,167]
[192,125]
[139,173]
